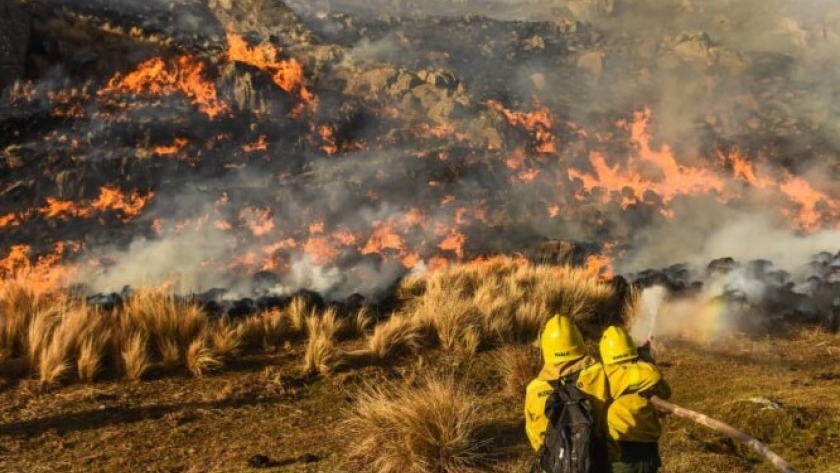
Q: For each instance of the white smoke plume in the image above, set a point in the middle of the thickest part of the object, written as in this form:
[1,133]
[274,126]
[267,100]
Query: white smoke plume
[696,238]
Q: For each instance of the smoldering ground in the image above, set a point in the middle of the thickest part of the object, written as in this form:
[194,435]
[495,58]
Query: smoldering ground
[717,76]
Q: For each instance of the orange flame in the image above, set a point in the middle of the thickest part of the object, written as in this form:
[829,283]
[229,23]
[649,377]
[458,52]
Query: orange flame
[345,237]
[385,240]
[674,179]
[383,237]
[158,77]
[44,274]
[327,135]
[259,221]
[320,249]
[454,242]
[814,206]
[444,130]
[176,146]
[110,198]
[538,123]
[10,219]
[600,265]
[516,159]
[260,145]
[286,73]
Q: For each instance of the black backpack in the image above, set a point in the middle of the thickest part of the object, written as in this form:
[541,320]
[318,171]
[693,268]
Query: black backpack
[570,436]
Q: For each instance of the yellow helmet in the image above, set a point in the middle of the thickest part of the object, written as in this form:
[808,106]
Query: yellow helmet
[617,346]
[561,340]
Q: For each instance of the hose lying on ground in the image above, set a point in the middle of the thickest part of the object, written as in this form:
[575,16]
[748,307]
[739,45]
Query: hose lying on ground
[725,429]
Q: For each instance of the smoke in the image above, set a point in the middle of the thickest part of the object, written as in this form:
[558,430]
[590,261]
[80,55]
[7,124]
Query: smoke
[764,275]
[700,234]
[384,50]
[184,261]
[761,75]
[716,70]
[193,254]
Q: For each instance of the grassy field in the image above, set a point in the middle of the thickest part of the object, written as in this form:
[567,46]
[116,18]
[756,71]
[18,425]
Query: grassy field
[435,387]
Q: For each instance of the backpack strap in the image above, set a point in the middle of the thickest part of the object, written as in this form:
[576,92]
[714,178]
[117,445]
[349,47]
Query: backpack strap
[568,379]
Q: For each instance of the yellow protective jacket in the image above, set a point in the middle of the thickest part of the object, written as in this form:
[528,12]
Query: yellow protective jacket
[631,417]
[592,381]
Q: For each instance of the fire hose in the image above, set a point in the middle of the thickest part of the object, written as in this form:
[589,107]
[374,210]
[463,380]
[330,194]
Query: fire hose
[725,429]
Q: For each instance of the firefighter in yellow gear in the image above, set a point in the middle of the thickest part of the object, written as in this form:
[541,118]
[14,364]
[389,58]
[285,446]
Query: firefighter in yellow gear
[633,422]
[564,354]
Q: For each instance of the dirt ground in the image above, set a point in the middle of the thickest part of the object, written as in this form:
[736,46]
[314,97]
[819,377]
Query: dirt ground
[784,391]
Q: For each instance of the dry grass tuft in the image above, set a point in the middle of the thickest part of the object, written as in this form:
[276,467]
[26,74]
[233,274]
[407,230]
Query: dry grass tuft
[38,334]
[410,287]
[169,323]
[456,322]
[135,356]
[362,322]
[429,428]
[321,354]
[227,338]
[170,352]
[266,330]
[200,357]
[518,365]
[399,335]
[505,300]
[19,306]
[327,323]
[298,313]
[92,352]
[53,363]
[71,324]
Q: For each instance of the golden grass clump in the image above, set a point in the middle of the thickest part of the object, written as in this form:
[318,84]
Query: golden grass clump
[266,330]
[55,335]
[457,324]
[298,313]
[518,365]
[321,354]
[171,324]
[433,427]
[399,335]
[410,287]
[135,356]
[200,357]
[362,322]
[19,304]
[68,327]
[38,333]
[227,338]
[505,300]
[92,352]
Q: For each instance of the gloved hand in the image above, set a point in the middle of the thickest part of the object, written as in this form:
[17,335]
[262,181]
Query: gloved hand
[645,352]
